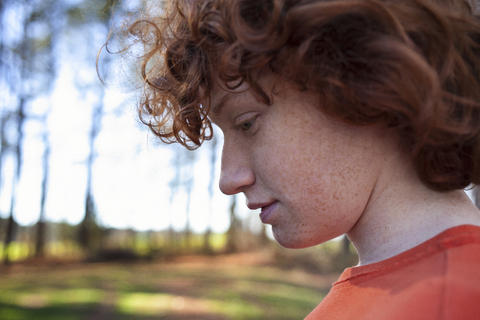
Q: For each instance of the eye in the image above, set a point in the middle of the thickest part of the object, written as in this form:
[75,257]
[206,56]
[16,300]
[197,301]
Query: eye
[247,124]
[246,121]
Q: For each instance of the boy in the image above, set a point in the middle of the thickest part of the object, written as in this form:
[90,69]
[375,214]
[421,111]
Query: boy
[359,117]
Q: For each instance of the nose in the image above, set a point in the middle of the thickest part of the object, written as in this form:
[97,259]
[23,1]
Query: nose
[236,172]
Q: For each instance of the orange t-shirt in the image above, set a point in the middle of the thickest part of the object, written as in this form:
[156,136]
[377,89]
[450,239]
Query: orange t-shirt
[438,279]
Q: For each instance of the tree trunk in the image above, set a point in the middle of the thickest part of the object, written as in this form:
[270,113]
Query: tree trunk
[11,223]
[188,231]
[207,247]
[41,226]
[232,245]
[88,224]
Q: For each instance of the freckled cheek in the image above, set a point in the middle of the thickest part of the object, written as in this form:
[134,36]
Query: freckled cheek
[281,172]
[324,192]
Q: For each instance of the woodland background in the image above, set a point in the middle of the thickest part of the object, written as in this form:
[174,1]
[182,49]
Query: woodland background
[151,239]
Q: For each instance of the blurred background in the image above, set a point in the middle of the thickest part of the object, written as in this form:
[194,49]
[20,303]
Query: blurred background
[78,172]
[97,220]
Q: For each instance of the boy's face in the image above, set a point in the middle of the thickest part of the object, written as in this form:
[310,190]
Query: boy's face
[312,176]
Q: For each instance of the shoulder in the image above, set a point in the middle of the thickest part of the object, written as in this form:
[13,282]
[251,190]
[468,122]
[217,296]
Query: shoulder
[440,279]
[461,279]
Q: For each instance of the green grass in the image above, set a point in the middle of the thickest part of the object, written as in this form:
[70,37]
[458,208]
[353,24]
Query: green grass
[158,291]
[18,250]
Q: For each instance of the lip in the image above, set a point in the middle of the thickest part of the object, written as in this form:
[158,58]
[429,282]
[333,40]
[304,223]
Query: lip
[266,215]
[258,205]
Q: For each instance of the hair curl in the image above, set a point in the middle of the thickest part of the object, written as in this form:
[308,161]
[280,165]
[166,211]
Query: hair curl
[412,64]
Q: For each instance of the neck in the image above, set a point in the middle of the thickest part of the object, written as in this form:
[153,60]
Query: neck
[403,213]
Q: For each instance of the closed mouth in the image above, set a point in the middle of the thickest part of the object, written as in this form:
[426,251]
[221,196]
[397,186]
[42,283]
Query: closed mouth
[266,215]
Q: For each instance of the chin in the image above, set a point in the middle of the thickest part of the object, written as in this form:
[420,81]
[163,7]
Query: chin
[293,242]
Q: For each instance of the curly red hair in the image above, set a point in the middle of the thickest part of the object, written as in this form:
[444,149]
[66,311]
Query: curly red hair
[411,64]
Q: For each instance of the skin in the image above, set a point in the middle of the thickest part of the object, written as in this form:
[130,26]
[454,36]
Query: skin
[316,178]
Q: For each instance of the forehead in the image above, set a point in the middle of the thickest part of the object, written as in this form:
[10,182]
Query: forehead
[268,85]
[220,100]
[221,97]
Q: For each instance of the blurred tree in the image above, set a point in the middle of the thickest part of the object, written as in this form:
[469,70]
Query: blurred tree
[41,224]
[207,248]
[87,19]
[183,162]
[51,25]
[3,118]
[32,36]
[88,224]
[11,223]
[27,71]
[232,233]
